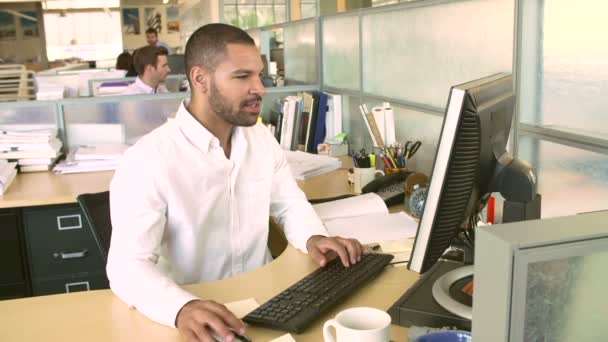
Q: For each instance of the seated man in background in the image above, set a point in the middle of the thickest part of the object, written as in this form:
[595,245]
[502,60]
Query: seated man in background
[152,69]
[190,201]
[152,39]
[124,61]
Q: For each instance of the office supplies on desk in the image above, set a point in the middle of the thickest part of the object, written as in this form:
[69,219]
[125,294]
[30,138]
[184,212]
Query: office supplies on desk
[358,324]
[372,127]
[305,165]
[364,175]
[8,171]
[366,218]
[374,228]
[284,338]
[411,147]
[297,307]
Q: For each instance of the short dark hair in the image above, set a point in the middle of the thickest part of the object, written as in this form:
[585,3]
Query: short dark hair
[207,45]
[124,61]
[147,55]
[152,30]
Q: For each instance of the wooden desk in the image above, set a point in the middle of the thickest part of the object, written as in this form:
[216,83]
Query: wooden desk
[100,316]
[46,188]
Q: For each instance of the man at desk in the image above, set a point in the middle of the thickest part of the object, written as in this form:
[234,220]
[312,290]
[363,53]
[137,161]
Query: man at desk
[152,40]
[191,200]
[152,68]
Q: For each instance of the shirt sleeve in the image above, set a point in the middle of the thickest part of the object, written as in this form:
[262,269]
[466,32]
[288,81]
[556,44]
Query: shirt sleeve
[138,211]
[289,204]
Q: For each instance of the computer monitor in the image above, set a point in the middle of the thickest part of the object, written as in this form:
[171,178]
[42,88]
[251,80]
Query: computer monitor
[471,163]
[177,64]
[542,280]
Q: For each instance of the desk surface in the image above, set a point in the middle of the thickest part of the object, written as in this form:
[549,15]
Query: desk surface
[46,188]
[100,316]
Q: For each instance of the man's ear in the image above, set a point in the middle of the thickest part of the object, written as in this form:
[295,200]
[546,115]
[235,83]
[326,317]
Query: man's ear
[200,78]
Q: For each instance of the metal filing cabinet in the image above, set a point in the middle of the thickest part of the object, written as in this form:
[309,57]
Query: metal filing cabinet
[14,280]
[63,254]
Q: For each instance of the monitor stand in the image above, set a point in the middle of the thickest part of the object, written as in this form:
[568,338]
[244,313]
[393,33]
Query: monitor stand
[418,307]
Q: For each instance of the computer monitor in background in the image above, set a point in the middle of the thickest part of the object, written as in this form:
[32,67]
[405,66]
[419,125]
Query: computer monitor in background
[471,163]
[177,64]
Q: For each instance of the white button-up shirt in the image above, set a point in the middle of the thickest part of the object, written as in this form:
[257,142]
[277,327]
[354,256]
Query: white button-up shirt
[139,87]
[184,213]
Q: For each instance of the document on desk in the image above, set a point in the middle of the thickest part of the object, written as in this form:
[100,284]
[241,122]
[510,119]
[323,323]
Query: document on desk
[242,307]
[374,228]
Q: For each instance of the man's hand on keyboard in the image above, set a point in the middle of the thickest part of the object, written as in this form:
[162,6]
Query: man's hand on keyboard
[198,319]
[323,249]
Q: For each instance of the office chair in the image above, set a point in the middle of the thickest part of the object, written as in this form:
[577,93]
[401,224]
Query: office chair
[96,208]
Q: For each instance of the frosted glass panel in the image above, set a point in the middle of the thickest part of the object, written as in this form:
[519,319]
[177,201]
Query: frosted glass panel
[575,62]
[570,180]
[138,115]
[13,116]
[417,54]
[301,53]
[341,52]
[565,299]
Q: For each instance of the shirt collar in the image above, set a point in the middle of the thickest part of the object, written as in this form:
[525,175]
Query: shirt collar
[199,135]
[147,89]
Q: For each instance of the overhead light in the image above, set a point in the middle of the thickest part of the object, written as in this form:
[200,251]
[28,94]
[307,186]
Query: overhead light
[165,2]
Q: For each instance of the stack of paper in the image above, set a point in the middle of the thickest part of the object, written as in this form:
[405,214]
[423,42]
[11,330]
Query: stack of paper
[35,149]
[305,165]
[365,218]
[90,158]
[50,92]
[8,171]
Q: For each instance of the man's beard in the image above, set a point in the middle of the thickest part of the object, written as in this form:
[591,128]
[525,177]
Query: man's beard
[222,107]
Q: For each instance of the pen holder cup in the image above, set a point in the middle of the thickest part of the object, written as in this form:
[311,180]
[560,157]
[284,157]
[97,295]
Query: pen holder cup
[363,176]
[390,171]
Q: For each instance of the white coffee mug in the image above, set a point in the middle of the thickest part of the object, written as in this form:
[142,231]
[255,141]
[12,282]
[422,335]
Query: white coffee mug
[363,176]
[359,325]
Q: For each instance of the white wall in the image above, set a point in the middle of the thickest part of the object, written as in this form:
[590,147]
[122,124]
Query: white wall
[131,42]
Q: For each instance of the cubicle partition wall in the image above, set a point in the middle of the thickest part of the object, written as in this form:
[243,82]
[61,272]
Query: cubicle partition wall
[301,52]
[410,54]
[29,114]
[173,83]
[115,119]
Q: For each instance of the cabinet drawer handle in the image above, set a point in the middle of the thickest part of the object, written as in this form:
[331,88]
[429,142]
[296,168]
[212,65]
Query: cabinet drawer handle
[70,255]
[79,283]
[66,222]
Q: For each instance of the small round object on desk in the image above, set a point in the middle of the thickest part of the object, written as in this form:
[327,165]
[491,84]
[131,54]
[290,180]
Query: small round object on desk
[445,336]
[416,201]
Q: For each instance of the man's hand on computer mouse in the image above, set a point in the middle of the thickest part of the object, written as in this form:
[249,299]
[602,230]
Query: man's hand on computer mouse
[323,249]
[199,319]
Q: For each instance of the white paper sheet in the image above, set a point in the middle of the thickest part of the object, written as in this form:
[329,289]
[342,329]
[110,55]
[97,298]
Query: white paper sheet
[350,207]
[242,307]
[374,228]
[284,338]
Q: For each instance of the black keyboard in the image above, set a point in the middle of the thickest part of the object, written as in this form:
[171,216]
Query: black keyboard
[295,308]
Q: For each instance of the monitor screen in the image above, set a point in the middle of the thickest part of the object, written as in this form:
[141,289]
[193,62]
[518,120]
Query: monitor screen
[177,64]
[473,138]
